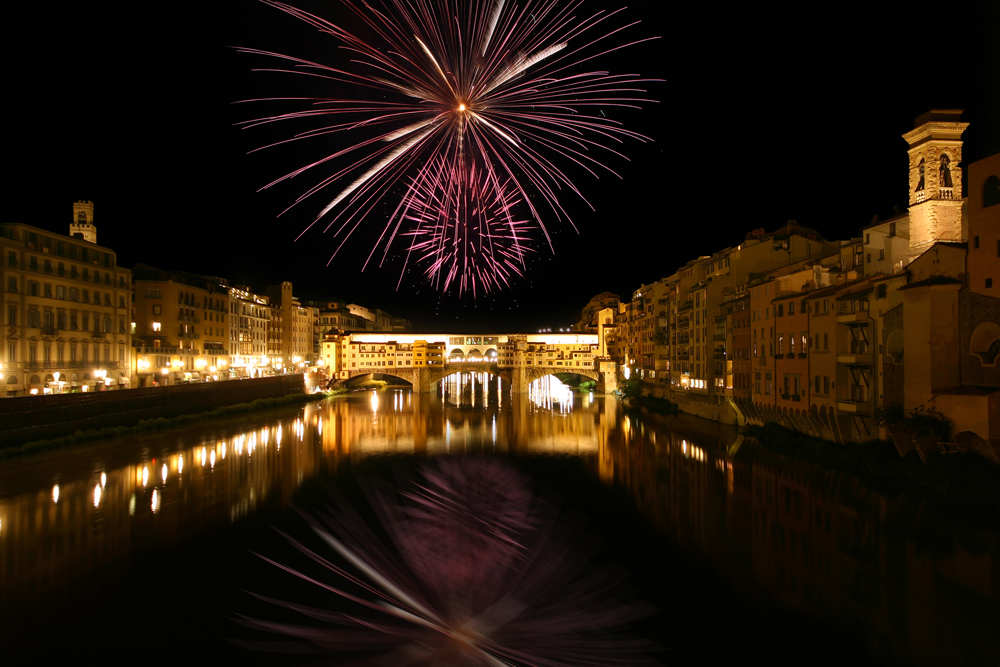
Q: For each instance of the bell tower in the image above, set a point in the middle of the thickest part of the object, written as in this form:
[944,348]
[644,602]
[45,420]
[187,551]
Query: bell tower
[935,178]
[83,222]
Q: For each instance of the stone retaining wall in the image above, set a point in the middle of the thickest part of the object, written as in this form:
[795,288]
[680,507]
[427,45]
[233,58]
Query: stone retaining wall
[28,418]
[741,413]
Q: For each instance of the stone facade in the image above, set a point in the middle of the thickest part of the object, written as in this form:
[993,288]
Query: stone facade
[893,374]
[935,179]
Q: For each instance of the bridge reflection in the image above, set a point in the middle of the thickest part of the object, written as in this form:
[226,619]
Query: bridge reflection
[913,578]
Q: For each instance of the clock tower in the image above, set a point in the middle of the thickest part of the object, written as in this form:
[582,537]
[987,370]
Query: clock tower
[83,222]
[935,179]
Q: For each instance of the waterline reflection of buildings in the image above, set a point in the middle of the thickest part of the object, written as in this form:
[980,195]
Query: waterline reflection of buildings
[552,394]
[914,578]
[64,515]
[87,517]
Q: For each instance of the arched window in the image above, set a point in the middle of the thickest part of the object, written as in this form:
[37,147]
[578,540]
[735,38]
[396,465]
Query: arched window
[894,346]
[993,350]
[945,172]
[12,379]
[985,342]
[81,217]
[991,191]
[920,176]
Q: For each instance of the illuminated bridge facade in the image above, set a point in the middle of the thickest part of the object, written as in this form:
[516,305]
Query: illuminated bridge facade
[424,359]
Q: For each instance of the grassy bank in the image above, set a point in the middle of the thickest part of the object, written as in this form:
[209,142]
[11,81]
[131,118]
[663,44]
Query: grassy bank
[161,423]
[964,477]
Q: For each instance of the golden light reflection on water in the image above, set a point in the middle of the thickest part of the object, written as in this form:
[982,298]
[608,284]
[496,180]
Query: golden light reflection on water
[95,509]
[739,510]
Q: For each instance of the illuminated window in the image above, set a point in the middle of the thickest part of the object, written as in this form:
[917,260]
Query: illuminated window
[156,326]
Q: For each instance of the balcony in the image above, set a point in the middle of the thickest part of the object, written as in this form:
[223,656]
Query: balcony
[719,356]
[855,359]
[860,317]
[189,334]
[853,407]
[686,306]
[683,323]
[189,318]
[719,337]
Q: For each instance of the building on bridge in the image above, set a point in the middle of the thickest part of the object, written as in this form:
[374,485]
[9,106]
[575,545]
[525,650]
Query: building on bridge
[423,359]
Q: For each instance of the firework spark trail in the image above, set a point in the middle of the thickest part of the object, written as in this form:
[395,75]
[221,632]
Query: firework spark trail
[492,237]
[484,99]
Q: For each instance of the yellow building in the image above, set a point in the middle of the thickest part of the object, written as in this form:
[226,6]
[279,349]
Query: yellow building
[249,315]
[565,357]
[296,327]
[181,326]
[65,310]
[342,354]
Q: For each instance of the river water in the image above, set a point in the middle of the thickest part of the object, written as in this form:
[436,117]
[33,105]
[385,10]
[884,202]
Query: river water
[140,547]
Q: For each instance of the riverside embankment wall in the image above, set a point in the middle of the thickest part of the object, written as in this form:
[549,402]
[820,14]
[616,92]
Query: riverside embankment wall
[29,418]
[742,413]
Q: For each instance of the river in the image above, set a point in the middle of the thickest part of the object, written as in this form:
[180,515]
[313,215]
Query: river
[140,547]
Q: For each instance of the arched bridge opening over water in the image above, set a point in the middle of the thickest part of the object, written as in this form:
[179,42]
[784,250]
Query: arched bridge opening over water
[424,360]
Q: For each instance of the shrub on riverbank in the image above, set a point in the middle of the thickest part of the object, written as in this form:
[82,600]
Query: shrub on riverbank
[965,477]
[660,406]
[164,422]
[377,385]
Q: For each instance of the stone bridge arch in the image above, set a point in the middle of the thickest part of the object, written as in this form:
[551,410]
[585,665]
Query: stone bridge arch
[425,378]
[422,379]
[520,380]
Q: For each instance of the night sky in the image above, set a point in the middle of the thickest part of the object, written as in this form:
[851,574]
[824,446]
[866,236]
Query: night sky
[765,115]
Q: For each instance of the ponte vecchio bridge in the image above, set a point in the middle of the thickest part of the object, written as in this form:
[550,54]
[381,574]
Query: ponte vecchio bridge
[424,359]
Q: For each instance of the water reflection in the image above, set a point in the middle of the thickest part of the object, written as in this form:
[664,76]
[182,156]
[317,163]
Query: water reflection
[892,568]
[914,579]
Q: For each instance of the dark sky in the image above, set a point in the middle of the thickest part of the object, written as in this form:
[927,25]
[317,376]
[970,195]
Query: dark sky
[766,114]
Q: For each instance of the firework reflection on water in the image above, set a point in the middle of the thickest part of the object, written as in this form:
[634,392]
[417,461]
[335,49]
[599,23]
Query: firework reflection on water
[478,570]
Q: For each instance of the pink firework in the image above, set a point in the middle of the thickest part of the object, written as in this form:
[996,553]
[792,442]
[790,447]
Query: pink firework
[485,94]
[466,236]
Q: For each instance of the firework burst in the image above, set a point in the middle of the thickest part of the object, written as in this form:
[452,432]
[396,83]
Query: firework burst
[482,574]
[465,235]
[477,104]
